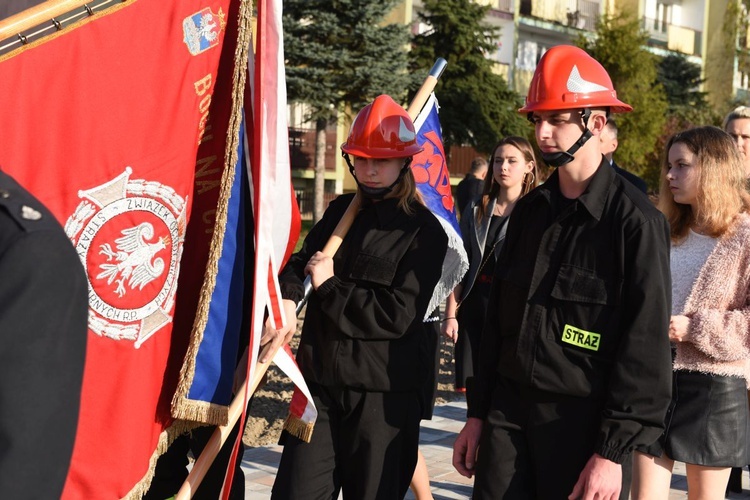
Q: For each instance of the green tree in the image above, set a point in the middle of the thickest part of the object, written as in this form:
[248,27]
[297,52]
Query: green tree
[688,107]
[476,106]
[619,45]
[340,55]
[682,80]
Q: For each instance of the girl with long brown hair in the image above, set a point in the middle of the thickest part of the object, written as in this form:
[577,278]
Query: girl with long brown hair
[514,173]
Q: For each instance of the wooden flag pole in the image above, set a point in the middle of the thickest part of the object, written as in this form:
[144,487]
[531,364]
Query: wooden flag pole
[34,16]
[239,403]
[420,98]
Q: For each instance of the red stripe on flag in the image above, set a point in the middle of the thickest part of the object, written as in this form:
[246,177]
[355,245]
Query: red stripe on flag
[274,298]
[274,208]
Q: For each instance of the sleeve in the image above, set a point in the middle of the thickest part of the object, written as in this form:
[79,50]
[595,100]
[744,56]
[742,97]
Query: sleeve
[292,277]
[385,311]
[633,416]
[479,388]
[720,334]
[43,331]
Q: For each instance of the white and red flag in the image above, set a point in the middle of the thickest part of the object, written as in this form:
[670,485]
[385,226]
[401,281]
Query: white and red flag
[275,211]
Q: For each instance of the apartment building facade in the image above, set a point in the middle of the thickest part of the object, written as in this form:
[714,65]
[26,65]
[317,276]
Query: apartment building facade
[700,29]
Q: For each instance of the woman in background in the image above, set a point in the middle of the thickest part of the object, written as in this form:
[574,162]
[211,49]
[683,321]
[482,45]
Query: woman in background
[703,196]
[514,173]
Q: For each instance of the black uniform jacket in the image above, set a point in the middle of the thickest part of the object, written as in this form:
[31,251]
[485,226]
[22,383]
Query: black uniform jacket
[475,235]
[364,326]
[634,179]
[43,316]
[580,307]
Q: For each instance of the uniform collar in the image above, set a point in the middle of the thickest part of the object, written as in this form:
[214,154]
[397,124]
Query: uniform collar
[593,199]
[385,210]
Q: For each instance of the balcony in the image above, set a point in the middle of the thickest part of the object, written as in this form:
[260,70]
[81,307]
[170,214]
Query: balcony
[672,37]
[579,14]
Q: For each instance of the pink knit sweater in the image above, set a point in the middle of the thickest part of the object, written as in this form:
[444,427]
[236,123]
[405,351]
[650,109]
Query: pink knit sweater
[718,340]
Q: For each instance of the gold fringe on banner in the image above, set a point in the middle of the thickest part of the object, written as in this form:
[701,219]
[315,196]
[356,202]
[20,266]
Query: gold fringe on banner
[166,438]
[182,407]
[191,414]
[298,428]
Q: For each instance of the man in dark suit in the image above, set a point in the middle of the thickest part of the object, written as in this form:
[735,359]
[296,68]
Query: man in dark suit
[608,139]
[470,188]
[43,329]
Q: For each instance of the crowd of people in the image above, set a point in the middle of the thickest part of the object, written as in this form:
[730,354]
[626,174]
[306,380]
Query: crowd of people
[598,337]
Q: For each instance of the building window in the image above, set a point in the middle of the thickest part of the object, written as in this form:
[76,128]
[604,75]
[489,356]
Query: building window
[526,58]
[663,17]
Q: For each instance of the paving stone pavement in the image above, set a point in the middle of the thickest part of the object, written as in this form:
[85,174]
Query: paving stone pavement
[436,442]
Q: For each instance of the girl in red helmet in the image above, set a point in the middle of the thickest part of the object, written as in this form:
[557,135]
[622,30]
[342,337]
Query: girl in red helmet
[364,349]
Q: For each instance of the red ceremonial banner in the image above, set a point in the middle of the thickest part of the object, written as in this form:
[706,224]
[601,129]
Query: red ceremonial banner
[102,122]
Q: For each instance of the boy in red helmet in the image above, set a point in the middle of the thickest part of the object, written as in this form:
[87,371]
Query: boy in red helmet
[365,351]
[575,360]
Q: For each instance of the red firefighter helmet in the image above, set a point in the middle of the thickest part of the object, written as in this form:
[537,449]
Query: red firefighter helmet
[568,78]
[383,129]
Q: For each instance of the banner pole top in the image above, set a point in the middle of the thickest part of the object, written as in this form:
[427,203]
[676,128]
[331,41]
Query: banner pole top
[438,67]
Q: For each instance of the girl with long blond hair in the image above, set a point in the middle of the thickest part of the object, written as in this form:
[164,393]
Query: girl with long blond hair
[703,196]
[514,173]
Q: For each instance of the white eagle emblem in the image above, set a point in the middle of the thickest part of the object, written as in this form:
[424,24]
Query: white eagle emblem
[207,28]
[135,257]
[133,295]
[201,30]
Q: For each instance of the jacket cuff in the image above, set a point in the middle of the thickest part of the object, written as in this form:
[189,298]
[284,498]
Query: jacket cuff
[327,287]
[612,454]
[292,291]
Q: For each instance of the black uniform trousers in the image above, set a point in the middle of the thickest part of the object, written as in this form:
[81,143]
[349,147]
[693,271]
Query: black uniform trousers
[364,444]
[171,468]
[535,444]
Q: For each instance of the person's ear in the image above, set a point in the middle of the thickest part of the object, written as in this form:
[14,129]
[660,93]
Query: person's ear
[597,121]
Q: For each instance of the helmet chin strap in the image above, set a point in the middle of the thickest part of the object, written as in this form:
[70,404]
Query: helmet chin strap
[376,194]
[563,157]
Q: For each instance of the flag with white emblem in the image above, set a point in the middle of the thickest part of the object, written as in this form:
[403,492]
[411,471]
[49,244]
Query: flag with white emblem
[129,153]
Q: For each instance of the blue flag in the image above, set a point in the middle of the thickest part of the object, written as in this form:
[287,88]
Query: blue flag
[433,182]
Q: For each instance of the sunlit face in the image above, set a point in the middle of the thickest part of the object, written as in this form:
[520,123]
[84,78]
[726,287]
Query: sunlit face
[682,174]
[509,166]
[557,131]
[377,172]
[739,129]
